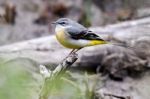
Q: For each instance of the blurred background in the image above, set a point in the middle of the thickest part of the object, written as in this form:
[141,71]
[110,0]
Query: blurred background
[26,19]
[22,20]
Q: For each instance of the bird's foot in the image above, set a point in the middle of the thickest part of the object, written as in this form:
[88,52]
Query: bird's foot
[73,54]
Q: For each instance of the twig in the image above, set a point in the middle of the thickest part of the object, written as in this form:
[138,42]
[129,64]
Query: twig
[51,76]
[116,96]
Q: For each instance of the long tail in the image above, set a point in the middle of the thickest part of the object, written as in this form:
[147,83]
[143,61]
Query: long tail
[123,45]
[97,40]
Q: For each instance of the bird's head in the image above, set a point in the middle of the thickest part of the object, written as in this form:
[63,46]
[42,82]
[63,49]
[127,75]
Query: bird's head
[64,22]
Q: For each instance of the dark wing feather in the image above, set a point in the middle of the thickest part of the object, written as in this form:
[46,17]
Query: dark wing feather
[76,33]
[89,35]
[83,33]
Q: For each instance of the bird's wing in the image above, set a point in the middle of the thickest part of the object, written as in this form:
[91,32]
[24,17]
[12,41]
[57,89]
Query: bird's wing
[76,31]
[89,35]
[83,33]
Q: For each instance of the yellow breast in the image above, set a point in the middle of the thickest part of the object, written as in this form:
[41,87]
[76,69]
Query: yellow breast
[60,36]
[65,40]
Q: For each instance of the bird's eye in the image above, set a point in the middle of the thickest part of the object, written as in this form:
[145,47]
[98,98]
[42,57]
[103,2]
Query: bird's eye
[62,23]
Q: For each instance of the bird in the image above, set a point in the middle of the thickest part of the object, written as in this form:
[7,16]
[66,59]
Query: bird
[75,36]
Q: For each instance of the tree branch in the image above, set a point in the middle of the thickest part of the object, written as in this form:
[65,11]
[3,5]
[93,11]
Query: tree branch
[51,76]
[116,96]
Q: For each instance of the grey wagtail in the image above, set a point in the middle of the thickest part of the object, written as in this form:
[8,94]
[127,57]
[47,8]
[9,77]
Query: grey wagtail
[75,36]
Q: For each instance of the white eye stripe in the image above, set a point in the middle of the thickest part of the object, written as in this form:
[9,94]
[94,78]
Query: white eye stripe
[68,26]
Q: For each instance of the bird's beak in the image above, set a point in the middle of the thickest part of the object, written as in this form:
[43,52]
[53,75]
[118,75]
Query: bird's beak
[54,23]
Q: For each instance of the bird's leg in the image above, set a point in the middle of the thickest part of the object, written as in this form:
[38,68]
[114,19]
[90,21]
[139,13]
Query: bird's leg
[71,51]
[76,50]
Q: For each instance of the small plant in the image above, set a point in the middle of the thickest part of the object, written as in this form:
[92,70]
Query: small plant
[67,88]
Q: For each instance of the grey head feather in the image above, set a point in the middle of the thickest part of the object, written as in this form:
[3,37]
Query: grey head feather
[72,27]
[70,22]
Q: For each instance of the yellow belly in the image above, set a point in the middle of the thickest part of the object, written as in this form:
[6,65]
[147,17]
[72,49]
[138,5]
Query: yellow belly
[64,40]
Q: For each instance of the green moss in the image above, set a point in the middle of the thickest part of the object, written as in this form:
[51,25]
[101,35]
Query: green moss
[17,81]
